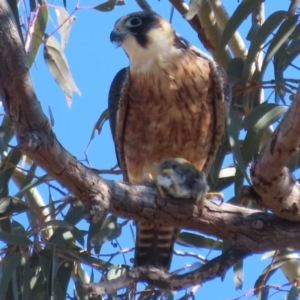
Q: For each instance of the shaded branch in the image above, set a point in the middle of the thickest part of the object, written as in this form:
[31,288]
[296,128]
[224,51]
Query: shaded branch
[214,268]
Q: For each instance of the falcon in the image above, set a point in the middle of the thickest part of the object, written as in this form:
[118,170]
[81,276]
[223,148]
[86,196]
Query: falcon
[169,102]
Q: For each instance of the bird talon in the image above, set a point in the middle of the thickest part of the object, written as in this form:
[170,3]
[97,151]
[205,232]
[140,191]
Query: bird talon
[211,195]
[160,190]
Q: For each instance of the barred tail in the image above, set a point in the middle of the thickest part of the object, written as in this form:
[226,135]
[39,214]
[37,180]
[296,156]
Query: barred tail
[154,244]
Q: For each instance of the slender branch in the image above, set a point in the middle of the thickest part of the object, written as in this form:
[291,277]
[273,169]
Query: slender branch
[214,268]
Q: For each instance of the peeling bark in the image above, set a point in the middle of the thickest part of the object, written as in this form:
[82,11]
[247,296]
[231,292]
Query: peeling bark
[278,189]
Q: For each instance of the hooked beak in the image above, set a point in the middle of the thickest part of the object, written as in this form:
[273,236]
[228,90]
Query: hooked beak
[117,36]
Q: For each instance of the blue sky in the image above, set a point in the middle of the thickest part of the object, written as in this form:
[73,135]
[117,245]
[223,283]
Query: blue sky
[94,61]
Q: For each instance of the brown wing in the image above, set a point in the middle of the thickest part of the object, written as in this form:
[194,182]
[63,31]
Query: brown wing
[117,106]
[218,79]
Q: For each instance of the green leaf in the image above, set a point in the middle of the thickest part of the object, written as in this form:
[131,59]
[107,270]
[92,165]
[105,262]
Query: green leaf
[7,168]
[31,185]
[233,131]
[51,117]
[11,262]
[79,279]
[189,239]
[99,124]
[214,173]
[45,262]
[283,33]
[106,6]
[58,66]
[10,205]
[94,229]
[264,293]
[109,231]
[74,215]
[238,275]
[268,272]
[262,34]
[17,228]
[15,239]
[64,21]
[87,259]
[6,130]
[287,56]
[278,73]
[263,116]
[62,279]
[293,294]
[240,14]
[234,69]
[56,223]
[39,27]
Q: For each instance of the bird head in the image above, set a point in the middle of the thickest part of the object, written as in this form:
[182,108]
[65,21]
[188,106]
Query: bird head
[143,36]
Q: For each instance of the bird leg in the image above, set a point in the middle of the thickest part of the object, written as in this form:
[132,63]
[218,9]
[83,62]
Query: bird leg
[208,196]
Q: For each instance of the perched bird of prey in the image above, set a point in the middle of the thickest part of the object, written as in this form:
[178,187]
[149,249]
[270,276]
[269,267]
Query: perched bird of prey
[180,179]
[168,103]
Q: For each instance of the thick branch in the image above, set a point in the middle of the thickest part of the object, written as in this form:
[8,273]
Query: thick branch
[214,268]
[278,189]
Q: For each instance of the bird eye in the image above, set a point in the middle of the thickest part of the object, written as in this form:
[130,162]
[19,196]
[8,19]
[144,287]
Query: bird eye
[134,22]
[174,167]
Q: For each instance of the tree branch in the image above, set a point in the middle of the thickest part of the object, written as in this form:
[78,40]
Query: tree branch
[214,268]
[278,189]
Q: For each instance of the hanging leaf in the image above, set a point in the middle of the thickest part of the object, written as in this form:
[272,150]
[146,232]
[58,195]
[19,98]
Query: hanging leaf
[238,275]
[264,293]
[240,14]
[293,294]
[58,66]
[271,23]
[106,6]
[100,122]
[262,116]
[233,130]
[65,22]
[11,205]
[39,26]
[280,37]
[15,239]
[11,263]
[110,230]
[7,169]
